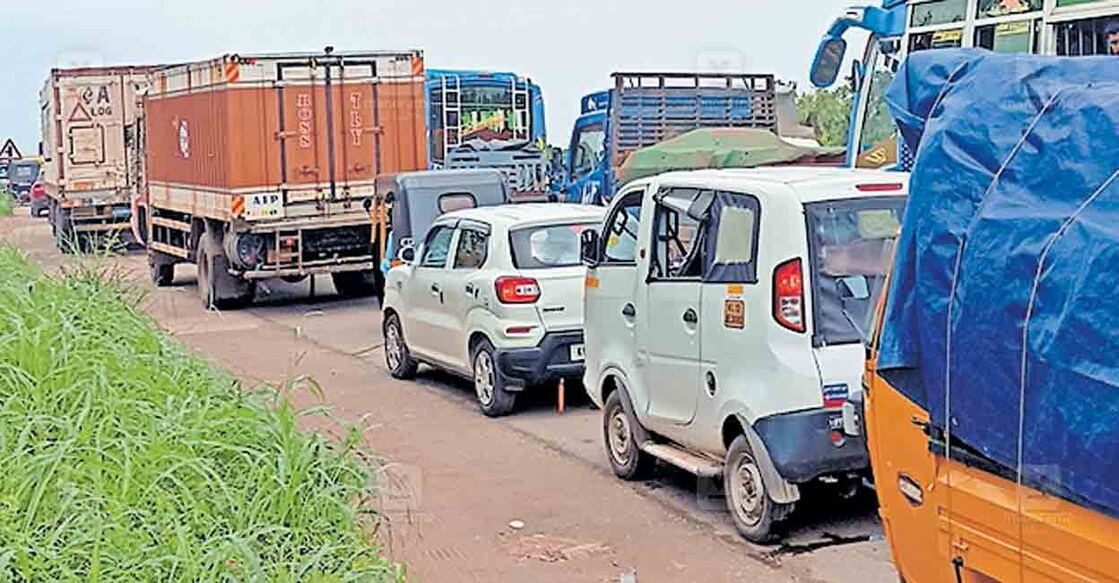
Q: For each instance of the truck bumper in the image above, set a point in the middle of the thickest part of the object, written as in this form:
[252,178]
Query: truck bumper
[549,360]
[808,444]
[309,270]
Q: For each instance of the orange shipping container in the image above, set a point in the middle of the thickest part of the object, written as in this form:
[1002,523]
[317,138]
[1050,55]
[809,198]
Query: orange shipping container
[305,128]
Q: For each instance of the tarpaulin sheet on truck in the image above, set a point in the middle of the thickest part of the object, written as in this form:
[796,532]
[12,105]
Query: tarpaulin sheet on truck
[720,148]
[1002,319]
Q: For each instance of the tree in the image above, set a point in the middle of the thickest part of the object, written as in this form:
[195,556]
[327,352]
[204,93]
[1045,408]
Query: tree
[826,110]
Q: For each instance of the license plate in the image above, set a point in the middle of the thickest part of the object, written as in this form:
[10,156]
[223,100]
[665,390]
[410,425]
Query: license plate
[577,353]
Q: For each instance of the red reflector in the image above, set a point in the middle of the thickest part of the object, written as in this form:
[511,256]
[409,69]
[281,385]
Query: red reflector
[788,296]
[836,437]
[888,187]
[517,290]
[513,330]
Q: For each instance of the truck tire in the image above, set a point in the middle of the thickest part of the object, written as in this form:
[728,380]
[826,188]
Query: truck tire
[161,268]
[355,284]
[622,450]
[398,359]
[65,237]
[216,287]
[489,386]
[754,513]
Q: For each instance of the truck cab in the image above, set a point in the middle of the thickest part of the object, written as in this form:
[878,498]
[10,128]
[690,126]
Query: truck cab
[722,334]
[643,109]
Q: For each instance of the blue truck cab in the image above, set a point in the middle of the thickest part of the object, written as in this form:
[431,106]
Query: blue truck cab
[487,119]
[643,109]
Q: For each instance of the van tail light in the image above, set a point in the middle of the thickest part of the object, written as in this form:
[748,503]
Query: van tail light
[517,290]
[788,295]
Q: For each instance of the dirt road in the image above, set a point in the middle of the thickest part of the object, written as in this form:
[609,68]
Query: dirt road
[455,480]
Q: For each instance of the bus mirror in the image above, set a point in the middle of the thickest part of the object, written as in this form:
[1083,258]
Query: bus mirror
[591,250]
[829,58]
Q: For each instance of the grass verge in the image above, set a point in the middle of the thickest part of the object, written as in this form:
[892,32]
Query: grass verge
[5,204]
[124,457]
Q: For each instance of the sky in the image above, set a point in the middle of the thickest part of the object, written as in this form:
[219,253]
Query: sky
[568,47]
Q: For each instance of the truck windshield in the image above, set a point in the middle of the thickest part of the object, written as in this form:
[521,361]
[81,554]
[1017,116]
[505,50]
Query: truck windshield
[588,147]
[24,173]
[877,132]
[548,246]
[851,243]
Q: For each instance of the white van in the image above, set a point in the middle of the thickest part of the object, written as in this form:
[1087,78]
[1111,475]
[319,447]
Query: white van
[724,318]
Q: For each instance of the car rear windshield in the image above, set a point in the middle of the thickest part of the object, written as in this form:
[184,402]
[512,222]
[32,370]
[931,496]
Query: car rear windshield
[24,173]
[548,246]
[852,244]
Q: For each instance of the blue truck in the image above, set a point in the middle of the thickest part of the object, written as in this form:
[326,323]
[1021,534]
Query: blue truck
[484,119]
[643,109]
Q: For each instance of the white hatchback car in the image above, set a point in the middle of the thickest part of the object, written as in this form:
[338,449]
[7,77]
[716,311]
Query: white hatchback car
[493,294]
[725,311]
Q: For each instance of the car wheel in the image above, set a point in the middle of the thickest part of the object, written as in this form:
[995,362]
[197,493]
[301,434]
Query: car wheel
[489,387]
[398,359]
[625,455]
[751,508]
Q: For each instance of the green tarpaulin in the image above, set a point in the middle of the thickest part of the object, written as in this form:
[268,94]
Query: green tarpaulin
[719,148]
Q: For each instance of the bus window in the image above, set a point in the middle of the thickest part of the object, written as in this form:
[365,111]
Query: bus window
[1079,38]
[938,12]
[1009,37]
[936,39]
[993,8]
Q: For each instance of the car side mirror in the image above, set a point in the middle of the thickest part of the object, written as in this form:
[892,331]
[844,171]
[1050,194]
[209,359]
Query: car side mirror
[701,206]
[407,255]
[591,249]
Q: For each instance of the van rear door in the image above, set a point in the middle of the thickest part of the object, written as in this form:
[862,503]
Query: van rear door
[851,244]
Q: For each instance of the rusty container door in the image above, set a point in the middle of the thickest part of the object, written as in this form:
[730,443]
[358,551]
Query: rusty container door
[345,120]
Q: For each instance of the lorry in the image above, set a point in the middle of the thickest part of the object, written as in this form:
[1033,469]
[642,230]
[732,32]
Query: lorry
[484,119]
[261,167]
[643,109]
[991,377]
[85,116]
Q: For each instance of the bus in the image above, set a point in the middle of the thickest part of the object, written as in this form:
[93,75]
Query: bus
[896,28]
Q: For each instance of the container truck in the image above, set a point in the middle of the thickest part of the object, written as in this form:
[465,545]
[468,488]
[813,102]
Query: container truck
[646,108]
[261,167]
[85,116]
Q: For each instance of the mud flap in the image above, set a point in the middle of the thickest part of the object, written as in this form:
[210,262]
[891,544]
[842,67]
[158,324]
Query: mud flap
[780,490]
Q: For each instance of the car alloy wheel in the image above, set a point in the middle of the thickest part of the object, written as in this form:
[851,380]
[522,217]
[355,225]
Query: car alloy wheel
[394,348]
[484,377]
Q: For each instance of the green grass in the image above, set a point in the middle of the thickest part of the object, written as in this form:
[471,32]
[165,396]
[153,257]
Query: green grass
[5,204]
[125,458]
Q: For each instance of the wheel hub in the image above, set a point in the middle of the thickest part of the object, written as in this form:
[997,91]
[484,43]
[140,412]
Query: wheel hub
[393,349]
[618,433]
[483,378]
[747,490]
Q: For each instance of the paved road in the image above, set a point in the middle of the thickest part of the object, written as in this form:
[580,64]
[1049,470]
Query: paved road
[454,480]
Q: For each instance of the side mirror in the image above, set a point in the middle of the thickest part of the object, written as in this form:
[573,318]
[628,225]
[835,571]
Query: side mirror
[829,58]
[701,206]
[591,249]
[407,254]
[852,288]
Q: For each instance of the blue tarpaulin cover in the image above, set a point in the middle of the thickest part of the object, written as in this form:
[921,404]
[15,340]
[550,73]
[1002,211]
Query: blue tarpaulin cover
[1003,314]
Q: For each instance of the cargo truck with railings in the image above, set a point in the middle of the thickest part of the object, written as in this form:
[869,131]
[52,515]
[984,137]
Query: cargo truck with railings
[643,109]
[86,114]
[265,167]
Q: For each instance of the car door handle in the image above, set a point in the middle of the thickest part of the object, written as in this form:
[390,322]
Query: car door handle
[690,317]
[629,311]
[469,289]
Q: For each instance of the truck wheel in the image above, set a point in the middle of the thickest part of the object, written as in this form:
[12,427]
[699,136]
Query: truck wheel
[162,272]
[494,400]
[398,359]
[65,238]
[751,508]
[625,455]
[355,284]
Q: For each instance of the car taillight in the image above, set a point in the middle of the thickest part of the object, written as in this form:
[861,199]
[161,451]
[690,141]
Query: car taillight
[37,190]
[788,295]
[517,290]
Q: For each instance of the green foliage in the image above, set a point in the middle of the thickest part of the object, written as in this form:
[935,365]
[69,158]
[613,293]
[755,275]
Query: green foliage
[125,458]
[5,204]
[827,110]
